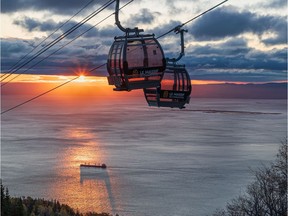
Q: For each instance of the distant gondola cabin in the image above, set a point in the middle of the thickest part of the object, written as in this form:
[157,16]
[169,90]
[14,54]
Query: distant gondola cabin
[174,91]
[175,87]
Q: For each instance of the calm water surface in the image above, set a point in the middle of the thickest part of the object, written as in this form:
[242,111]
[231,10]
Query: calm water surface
[160,161]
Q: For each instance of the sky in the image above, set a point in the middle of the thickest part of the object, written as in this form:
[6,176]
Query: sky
[238,42]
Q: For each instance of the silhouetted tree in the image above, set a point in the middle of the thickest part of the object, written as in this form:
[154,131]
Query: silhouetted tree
[7,203]
[267,195]
[14,206]
[2,199]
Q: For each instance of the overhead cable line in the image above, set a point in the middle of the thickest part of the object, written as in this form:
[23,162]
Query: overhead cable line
[61,37]
[179,26]
[21,59]
[46,92]
[25,102]
[67,44]
[48,37]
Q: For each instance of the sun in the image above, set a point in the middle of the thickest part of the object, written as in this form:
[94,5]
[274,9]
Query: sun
[81,78]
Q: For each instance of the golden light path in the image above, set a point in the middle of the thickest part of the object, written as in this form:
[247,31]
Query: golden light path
[85,190]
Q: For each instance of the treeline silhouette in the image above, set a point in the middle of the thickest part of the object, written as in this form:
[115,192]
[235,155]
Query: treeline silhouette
[27,206]
[267,194]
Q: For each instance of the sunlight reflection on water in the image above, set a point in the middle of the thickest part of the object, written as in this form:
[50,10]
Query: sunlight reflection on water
[160,162]
[86,191]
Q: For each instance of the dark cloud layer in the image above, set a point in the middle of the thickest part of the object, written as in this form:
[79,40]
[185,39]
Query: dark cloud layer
[144,17]
[60,7]
[275,4]
[228,22]
[232,59]
[61,62]
[36,25]
[50,26]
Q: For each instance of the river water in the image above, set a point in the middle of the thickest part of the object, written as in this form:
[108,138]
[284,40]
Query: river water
[160,161]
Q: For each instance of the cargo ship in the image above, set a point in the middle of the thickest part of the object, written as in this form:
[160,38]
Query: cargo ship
[101,166]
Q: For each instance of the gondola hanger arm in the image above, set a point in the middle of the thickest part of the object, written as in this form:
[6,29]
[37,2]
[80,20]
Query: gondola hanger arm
[135,30]
[180,31]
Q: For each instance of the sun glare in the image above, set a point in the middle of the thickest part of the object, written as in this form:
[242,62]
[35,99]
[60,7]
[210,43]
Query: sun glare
[81,78]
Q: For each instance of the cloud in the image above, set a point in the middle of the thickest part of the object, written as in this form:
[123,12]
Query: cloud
[12,51]
[276,4]
[145,16]
[62,62]
[178,7]
[233,60]
[280,30]
[34,25]
[12,47]
[160,30]
[56,6]
[48,26]
[231,48]
[217,46]
[228,22]
[251,60]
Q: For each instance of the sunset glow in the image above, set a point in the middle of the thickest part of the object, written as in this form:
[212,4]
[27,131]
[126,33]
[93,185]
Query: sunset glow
[31,78]
[87,88]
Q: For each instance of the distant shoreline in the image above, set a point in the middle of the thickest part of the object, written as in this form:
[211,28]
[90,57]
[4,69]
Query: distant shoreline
[222,91]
